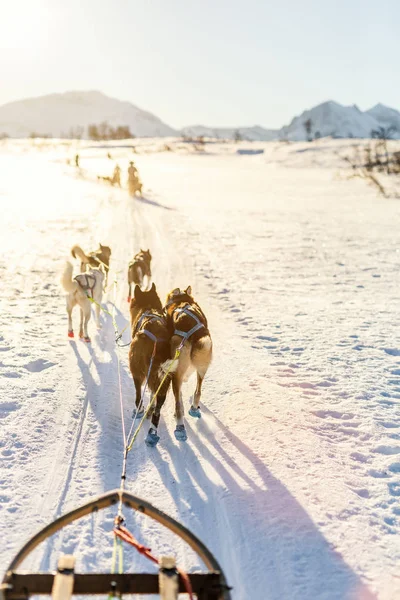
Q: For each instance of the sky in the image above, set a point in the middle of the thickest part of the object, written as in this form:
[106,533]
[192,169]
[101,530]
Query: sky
[209,62]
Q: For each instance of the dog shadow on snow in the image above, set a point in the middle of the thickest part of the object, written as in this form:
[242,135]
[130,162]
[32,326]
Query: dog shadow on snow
[152,202]
[263,538]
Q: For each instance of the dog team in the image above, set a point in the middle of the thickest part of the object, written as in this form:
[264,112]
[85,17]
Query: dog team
[157,332]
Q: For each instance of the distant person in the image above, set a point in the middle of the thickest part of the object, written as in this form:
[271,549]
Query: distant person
[134,183]
[77,161]
[109,156]
[116,178]
[132,172]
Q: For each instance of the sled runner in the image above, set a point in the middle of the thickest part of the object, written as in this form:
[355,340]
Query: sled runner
[65,583]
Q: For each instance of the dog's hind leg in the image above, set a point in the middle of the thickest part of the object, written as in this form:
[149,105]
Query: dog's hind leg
[201,359]
[138,411]
[194,410]
[180,431]
[70,326]
[152,436]
[81,323]
[85,316]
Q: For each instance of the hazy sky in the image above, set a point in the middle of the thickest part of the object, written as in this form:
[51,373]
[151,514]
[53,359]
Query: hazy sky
[212,62]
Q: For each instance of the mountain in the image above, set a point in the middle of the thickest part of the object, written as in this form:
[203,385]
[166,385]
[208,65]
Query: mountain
[255,133]
[387,117]
[331,119]
[57,115]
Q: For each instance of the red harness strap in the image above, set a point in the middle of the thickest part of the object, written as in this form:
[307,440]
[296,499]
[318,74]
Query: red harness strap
[125,535]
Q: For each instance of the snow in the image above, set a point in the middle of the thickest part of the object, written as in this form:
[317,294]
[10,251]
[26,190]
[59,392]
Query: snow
[58,114]
[292,476]
[255,133]
[332,119]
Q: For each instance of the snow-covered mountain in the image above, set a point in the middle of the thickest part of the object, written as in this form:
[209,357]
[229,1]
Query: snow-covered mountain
[387,117]
[255,133]
[63,115]
[331,119]
[57,114]
[327,119]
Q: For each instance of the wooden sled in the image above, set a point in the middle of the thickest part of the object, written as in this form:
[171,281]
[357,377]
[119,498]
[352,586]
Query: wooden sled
[65,583]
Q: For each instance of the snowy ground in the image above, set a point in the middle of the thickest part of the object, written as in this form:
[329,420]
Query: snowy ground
[292,477]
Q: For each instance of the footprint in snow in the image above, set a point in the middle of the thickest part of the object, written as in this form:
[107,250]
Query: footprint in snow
[392,351]
[394,488]
[387,450]
[35,366]
[7,407]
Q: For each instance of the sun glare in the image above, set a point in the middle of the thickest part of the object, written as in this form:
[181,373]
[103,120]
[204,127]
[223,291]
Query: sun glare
[23,25]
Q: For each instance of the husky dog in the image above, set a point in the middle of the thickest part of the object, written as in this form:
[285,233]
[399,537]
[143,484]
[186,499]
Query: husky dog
[189,330]
[98,259]
[78,291]
[138,268]
[148,352]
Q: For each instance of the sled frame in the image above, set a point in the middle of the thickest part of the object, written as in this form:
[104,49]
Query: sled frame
[206,586]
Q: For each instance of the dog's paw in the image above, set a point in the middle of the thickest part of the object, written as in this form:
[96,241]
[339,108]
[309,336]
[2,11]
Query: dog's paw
[70,333]
[195,412]
[180,433]
[152,438]
[85,339]
[137,414]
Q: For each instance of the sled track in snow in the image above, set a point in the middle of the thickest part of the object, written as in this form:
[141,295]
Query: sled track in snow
[76,445]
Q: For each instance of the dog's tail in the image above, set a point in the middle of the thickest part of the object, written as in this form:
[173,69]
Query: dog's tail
[169,366]
[77,252]
[66,280]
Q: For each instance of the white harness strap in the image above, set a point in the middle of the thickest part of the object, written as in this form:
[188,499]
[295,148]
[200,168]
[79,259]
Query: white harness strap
[199,325]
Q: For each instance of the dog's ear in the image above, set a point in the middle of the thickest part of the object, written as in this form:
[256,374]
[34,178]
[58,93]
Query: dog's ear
[176,292]
[188,290]
[153,287]
[137,292]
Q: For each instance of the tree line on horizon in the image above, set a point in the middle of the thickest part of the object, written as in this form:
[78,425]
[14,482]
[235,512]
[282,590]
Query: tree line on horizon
[382,133]
[97,132]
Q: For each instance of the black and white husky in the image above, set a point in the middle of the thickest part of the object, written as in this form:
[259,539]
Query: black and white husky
[79,290]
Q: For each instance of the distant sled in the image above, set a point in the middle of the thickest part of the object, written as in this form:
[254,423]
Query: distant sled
[250,151]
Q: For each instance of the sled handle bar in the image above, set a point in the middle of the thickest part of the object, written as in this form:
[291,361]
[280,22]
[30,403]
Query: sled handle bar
[110,499]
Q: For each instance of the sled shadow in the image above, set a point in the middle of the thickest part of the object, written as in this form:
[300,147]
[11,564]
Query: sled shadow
[263,538]
[145,200]
[101,413]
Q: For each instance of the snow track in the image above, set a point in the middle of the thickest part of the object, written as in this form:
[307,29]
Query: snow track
[291,477]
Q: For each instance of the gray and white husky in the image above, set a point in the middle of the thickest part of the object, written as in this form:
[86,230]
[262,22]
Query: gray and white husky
[79,290]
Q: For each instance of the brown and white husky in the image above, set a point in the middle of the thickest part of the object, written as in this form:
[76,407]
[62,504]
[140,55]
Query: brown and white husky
[78,290]
[138,269]
[189,330]
[148,353]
